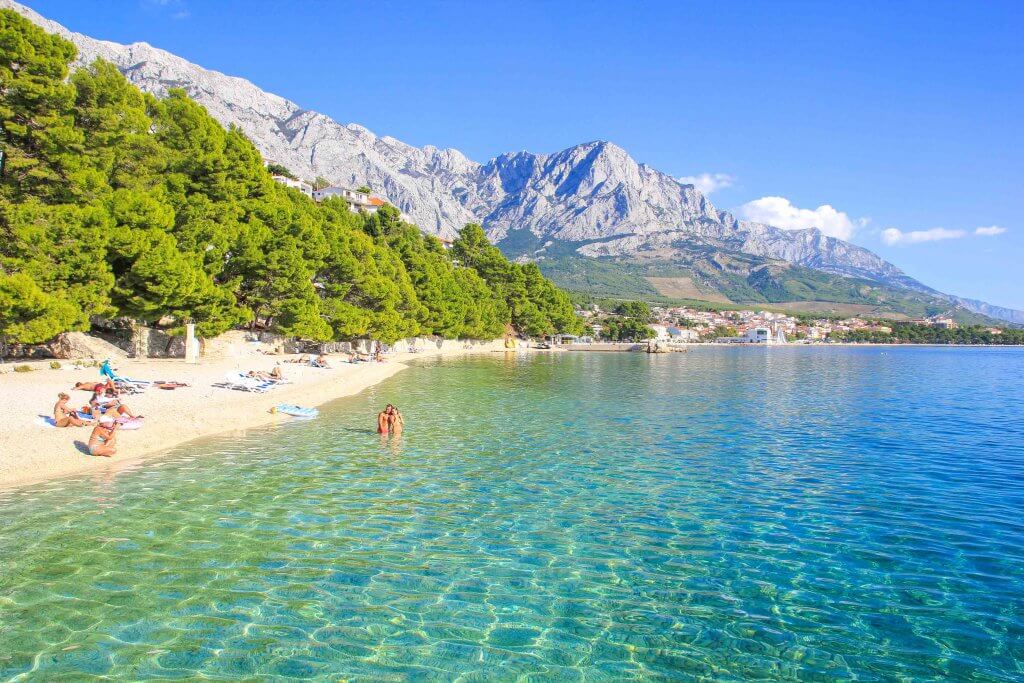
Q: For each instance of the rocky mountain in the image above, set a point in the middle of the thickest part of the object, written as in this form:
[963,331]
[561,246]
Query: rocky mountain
[593,197]
[998,312]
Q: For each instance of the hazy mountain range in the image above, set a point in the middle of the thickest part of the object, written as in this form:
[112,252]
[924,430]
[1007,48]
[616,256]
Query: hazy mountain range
[595,219]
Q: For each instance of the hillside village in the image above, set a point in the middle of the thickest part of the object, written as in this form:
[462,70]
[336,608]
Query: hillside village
[681,324]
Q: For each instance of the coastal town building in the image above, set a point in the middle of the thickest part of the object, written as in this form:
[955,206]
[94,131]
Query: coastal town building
[756,335]
[683,335]
[300,185]
[357,200]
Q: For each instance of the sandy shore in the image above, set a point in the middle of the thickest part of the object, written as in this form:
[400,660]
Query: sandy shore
[30,452]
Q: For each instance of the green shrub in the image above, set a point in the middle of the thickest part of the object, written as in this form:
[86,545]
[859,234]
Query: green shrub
[54,365]
[23,368]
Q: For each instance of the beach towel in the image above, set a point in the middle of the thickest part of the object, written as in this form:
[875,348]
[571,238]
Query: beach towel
[242,382]
[125,422]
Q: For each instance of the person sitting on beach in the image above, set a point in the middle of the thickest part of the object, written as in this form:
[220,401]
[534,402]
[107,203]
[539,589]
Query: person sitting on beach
[64,416]
[103,440]
[396,421]
[105,402]
[320,362]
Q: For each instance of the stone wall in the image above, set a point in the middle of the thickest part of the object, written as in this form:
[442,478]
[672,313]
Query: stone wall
[145,342]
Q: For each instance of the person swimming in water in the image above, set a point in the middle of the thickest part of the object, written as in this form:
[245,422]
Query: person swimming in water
[64,416]
[384,419]
[396,422]
[390,421]
[103,440]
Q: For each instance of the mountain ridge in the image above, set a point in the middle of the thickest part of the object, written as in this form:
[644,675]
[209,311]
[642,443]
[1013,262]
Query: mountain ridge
[593,194]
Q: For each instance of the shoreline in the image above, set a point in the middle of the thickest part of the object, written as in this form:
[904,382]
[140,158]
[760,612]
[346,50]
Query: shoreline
[31,453]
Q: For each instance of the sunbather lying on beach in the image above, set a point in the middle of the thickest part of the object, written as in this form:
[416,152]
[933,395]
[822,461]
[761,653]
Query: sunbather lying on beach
[103,440]
[320,362]
[93,386]
[64,416]
[275,375]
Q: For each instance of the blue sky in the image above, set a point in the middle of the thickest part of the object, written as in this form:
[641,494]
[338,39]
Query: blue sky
[904,118]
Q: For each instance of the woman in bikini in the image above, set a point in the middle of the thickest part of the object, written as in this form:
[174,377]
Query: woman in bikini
[103,440]
[64,416]
[396,422]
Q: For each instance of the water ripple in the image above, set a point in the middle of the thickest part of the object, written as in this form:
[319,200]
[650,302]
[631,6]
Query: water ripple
[727,514]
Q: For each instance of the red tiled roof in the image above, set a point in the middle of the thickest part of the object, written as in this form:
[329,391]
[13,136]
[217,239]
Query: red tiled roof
[376,201]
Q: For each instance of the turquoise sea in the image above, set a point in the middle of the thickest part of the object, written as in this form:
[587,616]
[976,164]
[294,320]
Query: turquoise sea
[724,514]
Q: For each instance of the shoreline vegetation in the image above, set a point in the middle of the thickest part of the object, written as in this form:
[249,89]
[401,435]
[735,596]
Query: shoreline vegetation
[118,205]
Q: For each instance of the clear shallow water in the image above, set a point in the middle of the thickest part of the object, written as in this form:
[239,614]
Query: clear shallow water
[813,514]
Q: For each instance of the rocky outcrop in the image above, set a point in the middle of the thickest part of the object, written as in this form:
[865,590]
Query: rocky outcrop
[80,346]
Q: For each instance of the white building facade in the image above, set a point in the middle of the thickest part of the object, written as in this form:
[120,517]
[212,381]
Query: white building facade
[300,185]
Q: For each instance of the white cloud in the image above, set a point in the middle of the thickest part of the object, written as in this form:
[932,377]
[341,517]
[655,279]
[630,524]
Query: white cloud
[708,182]
[894,236]
[989,231]
[781,213]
